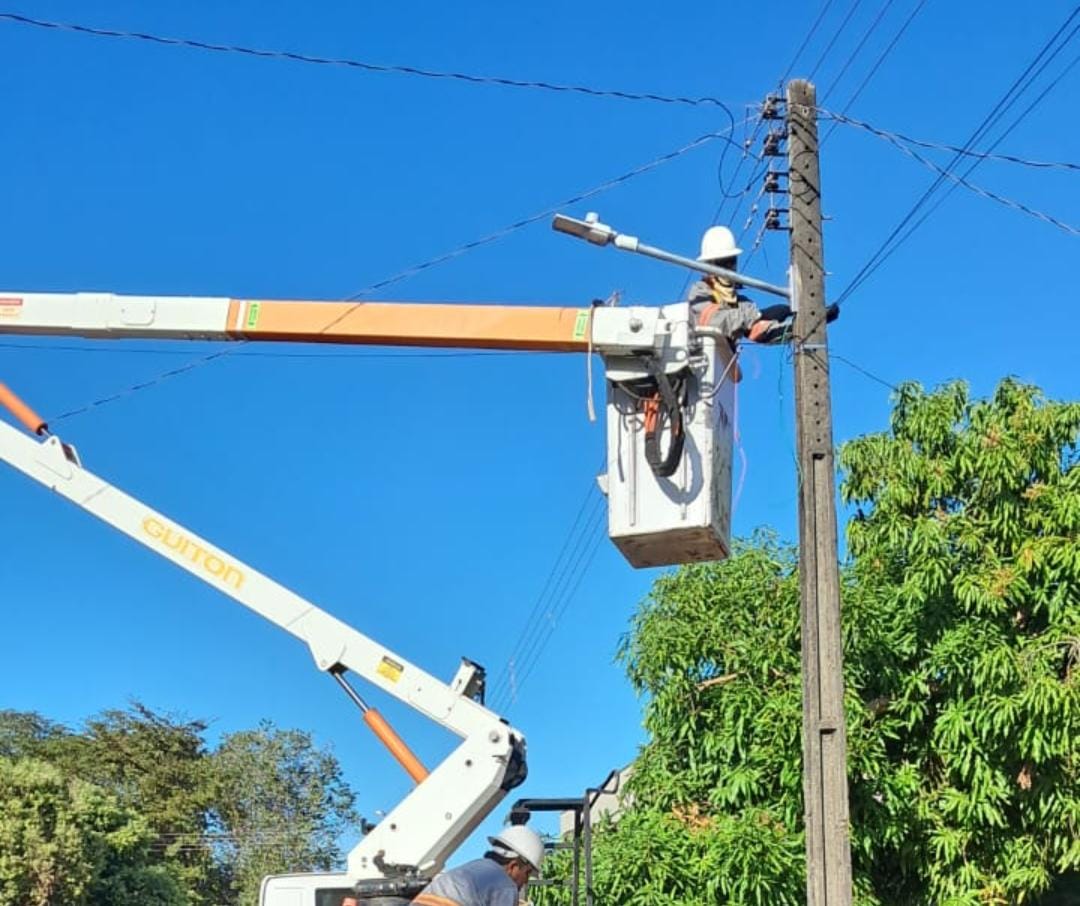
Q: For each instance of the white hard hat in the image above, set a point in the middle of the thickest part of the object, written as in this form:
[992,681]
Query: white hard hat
[519,840]
[717,244]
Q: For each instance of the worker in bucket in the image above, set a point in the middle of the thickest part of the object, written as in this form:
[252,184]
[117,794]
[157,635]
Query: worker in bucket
[497,879]
[716,301]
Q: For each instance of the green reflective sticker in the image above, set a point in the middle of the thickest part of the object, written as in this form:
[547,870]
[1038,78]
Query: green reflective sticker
[581,324]
[253,314]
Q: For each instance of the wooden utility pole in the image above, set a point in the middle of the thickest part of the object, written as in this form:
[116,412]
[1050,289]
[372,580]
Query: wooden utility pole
[825,789]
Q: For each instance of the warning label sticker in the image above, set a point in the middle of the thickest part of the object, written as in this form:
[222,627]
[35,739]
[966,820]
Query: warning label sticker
[10,306]
[390,668]
[581,324]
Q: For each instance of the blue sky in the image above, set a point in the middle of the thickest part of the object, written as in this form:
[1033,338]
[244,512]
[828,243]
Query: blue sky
[426,500]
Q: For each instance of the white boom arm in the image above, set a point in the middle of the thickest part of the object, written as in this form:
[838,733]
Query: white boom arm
[661,509]
[426,827]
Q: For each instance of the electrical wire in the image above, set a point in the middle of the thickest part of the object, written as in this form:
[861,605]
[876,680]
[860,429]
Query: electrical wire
[809,36]
[574,569]
[1007,99]
[939,146]
[754,206]
[585,563]
[976,163]
[550,601]
[725,197]
[402,275]
[878,63]
[503,676]
[985,193]
[863,371]
[832,42]
[858,47]
[534,218]
[292,56]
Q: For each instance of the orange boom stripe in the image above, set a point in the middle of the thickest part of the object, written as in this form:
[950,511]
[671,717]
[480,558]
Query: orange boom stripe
[410,324]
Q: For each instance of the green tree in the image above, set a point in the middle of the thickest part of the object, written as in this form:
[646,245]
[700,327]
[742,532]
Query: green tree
[280,804]
[968,551]
[68,841]
[264,801]
[154,764]
[962,660]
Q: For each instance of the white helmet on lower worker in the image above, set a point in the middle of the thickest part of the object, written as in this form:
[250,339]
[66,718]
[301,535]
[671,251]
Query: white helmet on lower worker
[520,842]
[717,244]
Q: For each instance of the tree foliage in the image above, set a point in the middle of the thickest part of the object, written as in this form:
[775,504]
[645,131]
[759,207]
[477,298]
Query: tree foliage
[279,801]
[961,609]
[67,841]
[211,821]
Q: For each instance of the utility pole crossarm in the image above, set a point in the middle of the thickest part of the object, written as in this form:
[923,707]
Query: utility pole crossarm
[828,853]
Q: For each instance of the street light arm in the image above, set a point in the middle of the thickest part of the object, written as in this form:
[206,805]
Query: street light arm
[591,230]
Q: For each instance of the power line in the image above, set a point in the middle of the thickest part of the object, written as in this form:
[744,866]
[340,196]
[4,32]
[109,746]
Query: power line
[542,215]
[574,568]
[537,609]
[863,371]
[883,251]
[939,146]
[725,197]
[809,36]
[878,63]
[832,42]
[754,206]
[550,598]
[408,272]
[985,193]
[998,141]
[585,562]
[294,57]
[858,47]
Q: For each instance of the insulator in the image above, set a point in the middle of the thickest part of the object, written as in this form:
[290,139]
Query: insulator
[770,110]
[771,146]
[772,219]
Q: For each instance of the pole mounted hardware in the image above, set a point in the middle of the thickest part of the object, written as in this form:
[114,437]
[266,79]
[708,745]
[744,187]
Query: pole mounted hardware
[772,182]
[773,220]
[773,141]
[771,108]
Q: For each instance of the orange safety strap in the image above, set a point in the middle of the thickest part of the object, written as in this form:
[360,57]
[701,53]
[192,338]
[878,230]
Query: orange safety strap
[707,312]
[430,899]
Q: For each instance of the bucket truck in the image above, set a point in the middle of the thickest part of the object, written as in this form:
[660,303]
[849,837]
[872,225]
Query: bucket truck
[670,386]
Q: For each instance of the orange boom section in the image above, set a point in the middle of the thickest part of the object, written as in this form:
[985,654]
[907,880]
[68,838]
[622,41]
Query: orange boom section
[397,746]
[33,422]
[412,324]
